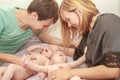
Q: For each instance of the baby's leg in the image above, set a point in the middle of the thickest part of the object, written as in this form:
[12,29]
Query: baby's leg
[75,78]
[42,76]
[2,70]
[15,72]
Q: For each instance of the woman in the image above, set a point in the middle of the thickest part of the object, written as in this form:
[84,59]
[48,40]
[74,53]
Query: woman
[100,34]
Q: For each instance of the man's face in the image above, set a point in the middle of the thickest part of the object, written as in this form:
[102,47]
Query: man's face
[41,25]
[37,25]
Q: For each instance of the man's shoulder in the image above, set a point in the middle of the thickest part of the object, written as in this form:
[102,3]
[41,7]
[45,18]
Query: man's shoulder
[6,7]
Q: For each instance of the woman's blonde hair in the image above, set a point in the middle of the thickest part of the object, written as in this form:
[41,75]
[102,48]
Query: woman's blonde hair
[89,10]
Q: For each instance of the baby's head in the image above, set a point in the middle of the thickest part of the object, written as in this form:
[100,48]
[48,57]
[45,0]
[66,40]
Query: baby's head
[58,57]
[47,52]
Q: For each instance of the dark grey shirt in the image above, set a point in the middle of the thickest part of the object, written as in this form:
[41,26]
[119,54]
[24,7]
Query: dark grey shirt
[104,42]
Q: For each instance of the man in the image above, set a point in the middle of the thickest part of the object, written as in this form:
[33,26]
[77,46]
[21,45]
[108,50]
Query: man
[17,25]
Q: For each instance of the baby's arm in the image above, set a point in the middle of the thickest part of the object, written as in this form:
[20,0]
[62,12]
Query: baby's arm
[73,64]
[32,49]
[77,63]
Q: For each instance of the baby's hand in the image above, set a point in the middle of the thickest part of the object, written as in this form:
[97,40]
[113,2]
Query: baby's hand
[34,48]
[42,76]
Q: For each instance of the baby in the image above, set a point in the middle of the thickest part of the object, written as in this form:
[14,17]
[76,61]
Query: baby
[59,61]
[45,57]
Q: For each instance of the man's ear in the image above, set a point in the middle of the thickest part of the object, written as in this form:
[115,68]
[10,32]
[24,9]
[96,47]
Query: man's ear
[34,15]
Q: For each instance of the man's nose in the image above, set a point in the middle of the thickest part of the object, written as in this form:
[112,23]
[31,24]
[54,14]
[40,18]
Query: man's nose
[45,28]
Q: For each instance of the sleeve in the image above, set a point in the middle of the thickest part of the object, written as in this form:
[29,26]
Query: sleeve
[111,49]
[80,50]
[1,25]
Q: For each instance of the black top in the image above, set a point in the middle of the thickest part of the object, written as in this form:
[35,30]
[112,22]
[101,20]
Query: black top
[103,42]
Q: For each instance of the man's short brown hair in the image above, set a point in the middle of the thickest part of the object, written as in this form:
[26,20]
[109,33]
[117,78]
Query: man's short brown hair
[45,9]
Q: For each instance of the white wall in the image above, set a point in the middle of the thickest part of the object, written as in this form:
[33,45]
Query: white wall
[16,3]
[111,6]
[105,6]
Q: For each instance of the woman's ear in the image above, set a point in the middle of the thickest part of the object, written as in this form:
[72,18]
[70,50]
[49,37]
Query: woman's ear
[34,15]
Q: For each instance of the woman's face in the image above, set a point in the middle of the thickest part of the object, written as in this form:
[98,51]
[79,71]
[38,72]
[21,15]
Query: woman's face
[71,18]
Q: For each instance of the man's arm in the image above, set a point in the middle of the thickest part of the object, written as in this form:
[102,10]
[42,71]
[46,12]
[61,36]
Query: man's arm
[47,38]
[4,57]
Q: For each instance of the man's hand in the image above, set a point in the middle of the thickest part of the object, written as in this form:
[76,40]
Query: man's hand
[26,59]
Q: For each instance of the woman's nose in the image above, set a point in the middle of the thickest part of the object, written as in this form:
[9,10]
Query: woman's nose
[69,24]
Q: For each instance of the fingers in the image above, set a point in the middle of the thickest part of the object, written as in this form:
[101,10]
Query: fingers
[53,75]
[34,48]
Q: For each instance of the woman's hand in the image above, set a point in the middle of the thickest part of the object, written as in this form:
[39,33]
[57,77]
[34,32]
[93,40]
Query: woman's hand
[74,44]
[61,74]
[22,61]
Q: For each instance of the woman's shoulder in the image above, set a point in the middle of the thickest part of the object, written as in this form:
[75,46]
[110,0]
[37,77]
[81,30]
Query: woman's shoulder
[108,18]
[107,21]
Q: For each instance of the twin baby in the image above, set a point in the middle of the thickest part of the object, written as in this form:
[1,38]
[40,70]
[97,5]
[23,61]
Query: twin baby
[40,60]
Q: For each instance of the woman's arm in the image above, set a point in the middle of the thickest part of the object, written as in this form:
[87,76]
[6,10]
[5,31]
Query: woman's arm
[98,72]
